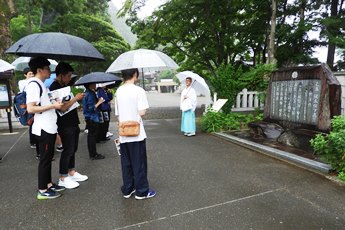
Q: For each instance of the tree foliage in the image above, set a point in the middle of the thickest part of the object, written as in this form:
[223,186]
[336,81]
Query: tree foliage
[202,35]
[87,19]
[100,33]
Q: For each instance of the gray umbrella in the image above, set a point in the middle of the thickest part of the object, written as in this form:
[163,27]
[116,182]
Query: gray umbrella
[57,46]
[98,77]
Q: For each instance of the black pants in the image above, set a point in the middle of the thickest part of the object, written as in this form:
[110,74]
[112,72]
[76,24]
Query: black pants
[70,139]
[103,127]
[31,136]
[45,147]
[92,137]
[134,168]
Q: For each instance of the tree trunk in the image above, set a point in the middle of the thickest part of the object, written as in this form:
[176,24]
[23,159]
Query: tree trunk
[333,32]
[7,9]
[271,46]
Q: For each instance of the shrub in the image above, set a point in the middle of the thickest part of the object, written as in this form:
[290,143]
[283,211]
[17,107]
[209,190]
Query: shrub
[331,147]
[225,83]
[219,121]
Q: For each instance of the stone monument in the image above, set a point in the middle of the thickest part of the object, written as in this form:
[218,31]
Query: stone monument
[300,102]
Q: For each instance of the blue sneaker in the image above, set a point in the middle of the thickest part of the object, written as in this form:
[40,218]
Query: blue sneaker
[150,194]
[57,188]
[49,194]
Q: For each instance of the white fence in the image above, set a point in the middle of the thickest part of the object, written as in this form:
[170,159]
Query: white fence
[247,101]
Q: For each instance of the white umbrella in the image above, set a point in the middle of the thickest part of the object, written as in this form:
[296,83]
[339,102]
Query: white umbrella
[5,66]
[142,59]
[22,62]
[198,83]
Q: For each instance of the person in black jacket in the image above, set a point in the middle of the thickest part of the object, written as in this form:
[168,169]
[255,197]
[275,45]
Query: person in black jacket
[68,129]
[105,109]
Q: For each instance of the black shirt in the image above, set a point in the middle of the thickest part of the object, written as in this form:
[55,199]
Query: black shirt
[69,119]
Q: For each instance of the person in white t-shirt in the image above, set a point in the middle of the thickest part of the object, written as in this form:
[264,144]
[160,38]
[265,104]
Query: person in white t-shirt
[130,105]
[21,85]
[44,127]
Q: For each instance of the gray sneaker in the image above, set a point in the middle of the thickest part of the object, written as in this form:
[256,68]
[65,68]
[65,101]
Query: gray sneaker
[49,194]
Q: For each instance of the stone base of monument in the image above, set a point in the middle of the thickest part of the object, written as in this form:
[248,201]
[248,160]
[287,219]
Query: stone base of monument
[274,134]
[277,150]
[298,138]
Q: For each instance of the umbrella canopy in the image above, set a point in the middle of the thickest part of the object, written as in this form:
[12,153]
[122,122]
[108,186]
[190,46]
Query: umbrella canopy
[57,46]
[98,77]
[198,83]
[5,66]
[111,84]
[23,62]
[142,59]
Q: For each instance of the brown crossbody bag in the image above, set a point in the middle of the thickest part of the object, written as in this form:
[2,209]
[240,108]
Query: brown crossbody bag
[128,128]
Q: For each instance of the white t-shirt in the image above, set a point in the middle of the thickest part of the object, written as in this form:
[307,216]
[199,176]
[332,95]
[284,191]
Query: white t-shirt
[42,121]
[22,84]
[129,100]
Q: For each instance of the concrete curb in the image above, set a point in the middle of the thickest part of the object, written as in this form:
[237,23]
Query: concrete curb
[279,154]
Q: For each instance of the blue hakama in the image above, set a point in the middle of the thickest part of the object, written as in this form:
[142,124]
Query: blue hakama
[188,121]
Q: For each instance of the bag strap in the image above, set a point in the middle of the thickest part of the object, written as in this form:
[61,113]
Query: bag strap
[41,90]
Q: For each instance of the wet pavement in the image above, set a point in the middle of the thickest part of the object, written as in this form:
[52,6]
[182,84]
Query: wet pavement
[202,182]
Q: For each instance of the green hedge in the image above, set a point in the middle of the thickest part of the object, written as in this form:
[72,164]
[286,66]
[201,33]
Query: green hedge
[331,147]
[219,121]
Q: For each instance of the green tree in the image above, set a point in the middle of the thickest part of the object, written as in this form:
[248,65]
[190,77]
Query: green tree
[333,29]
[100,33]
[7,9]
[225,82]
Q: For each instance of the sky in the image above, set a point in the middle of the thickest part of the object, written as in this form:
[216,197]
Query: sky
[151,5]
[146,10]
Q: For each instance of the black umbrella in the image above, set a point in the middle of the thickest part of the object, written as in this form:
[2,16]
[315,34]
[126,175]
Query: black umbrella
[98,77]
[54,45]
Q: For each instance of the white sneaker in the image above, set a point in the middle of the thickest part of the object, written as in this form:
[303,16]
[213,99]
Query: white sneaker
[78,177]
[190,134]
[109,134]
[68,183]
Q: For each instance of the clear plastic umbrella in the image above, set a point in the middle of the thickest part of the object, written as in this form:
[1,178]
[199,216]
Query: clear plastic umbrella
[5,66]
[142,59]
[22,62]
[198,83]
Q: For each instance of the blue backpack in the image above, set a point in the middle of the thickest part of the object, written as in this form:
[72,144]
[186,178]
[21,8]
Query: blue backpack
[19,107]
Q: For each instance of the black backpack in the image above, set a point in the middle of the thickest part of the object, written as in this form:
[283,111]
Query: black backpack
[19,107]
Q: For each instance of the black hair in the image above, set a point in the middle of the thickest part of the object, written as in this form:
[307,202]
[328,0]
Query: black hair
[38,63]
[189,78]
[63,68]
[26,70]
[128,74]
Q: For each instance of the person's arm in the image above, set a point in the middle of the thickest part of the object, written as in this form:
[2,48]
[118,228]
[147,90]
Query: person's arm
[142,112]
[143,104]
[99,102]
[33,108]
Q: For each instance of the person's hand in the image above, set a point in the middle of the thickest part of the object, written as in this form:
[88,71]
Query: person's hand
[57,105]
[185,97]
[100,100]
[80,96]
